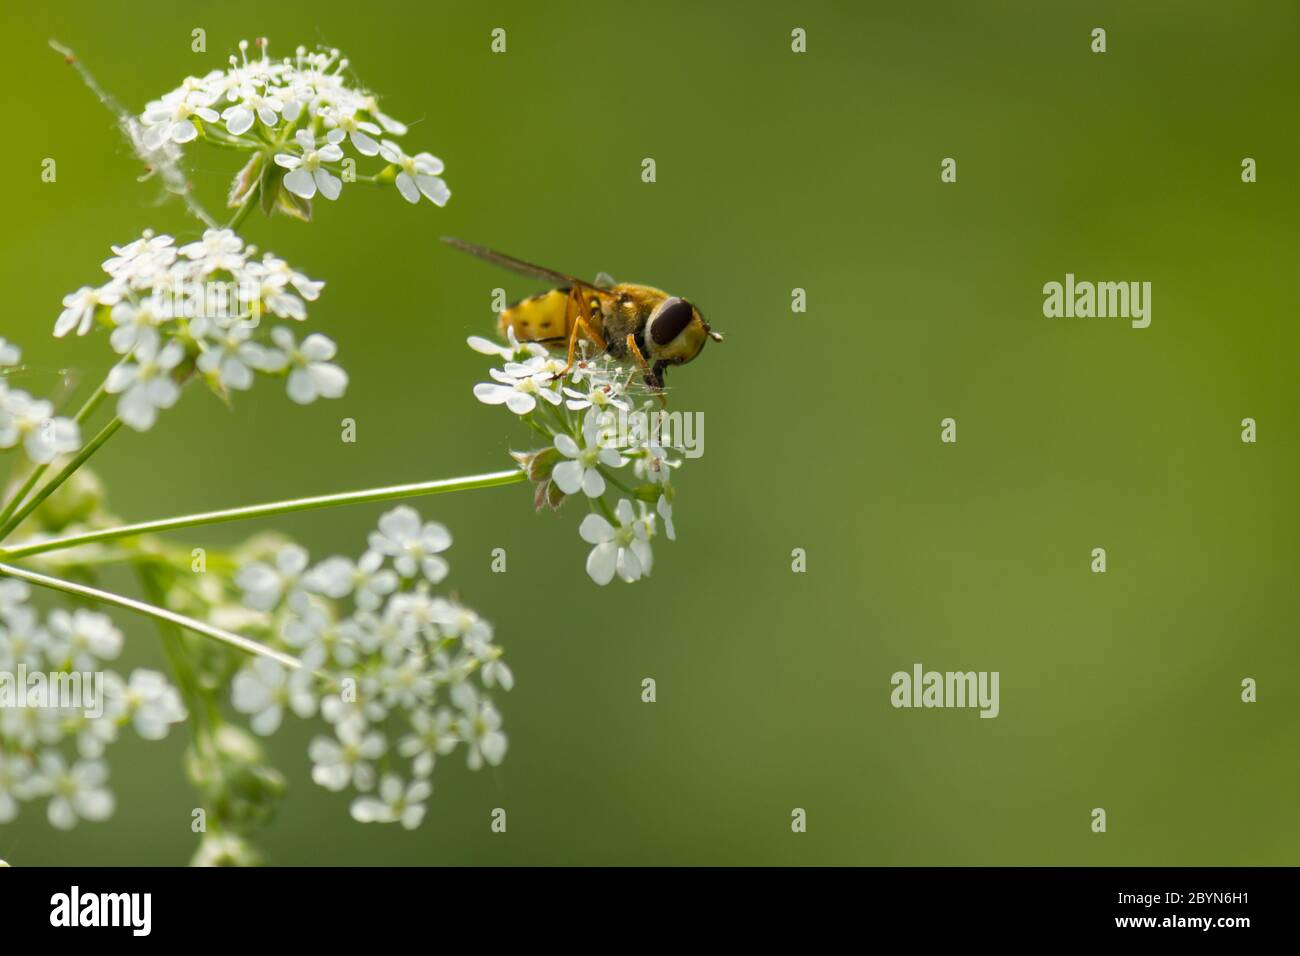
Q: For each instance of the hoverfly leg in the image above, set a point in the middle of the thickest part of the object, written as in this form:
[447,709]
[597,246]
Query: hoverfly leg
[654,378]
[581,326]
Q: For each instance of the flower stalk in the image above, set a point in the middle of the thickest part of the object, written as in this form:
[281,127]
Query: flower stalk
[387,493]
[157,613]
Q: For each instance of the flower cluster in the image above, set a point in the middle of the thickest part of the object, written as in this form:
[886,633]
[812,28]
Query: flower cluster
[51,746]
[199,307]
[401,674]
[300,111]
[598,429]
[29,422]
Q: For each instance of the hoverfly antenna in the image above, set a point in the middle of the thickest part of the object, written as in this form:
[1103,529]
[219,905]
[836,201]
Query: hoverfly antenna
[716,336]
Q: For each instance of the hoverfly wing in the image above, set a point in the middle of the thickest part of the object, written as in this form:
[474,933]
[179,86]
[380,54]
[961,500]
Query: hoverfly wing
[518,265]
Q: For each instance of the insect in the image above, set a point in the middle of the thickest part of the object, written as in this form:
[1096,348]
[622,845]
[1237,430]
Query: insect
[630,322]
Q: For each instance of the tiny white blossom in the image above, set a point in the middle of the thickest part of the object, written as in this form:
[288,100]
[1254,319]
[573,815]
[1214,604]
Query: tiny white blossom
[397,803]
[312,375]
[307,171]
[517,394]
[413,545]
[582,470]
[32,422]
[173,119]
[146,384]
[15,784]
[264,688]
[624,549]
[433,736]
[218,250]
[229,356]
[79,308]
[367,580]
[419,174]
[10,354]
[83,638]
[265,586]
[359,131]
[483,736]
[348,760]
[512,351]
[74,793]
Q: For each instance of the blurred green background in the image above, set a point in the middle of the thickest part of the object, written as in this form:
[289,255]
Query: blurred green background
[775,170]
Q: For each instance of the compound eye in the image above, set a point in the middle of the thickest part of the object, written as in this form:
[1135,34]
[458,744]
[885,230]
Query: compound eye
[673,316]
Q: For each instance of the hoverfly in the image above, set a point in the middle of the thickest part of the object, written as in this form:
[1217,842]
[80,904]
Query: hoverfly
[630,322]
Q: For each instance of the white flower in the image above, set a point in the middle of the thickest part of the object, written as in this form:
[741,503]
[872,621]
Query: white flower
[345,119]
[152,704]
[135,323]
[397,803]
[390,125]
[228,355]
[307,171]
[434,735]
[265,586]
[172,119]
[484,737]
[10,354]
[312,375]
[414,546]
[625,549]
[407,683]
[264,688]
[420,174]
[252,104]
[94,734]
[218,250]
[601,396]
[139,262]
[512,351]
[665,509]
[338,577]
[275,268]
[347,760]
[83,638]
[79,308]
[146,385]
[312,628]
[21,640]
[517,394]
[581,471]
[15,781]
[74,793]
[30,421]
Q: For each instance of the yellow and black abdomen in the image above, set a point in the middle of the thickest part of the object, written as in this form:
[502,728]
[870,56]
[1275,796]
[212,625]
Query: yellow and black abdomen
[538,318]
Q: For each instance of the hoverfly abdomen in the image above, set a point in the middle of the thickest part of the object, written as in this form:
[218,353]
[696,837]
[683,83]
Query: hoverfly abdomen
[537,318]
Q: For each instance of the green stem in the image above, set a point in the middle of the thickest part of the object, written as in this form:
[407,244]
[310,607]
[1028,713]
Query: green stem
[614,480]
[87,408]
[489,480]
[50,486]
[242,213]
[173,642]
[149,610]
